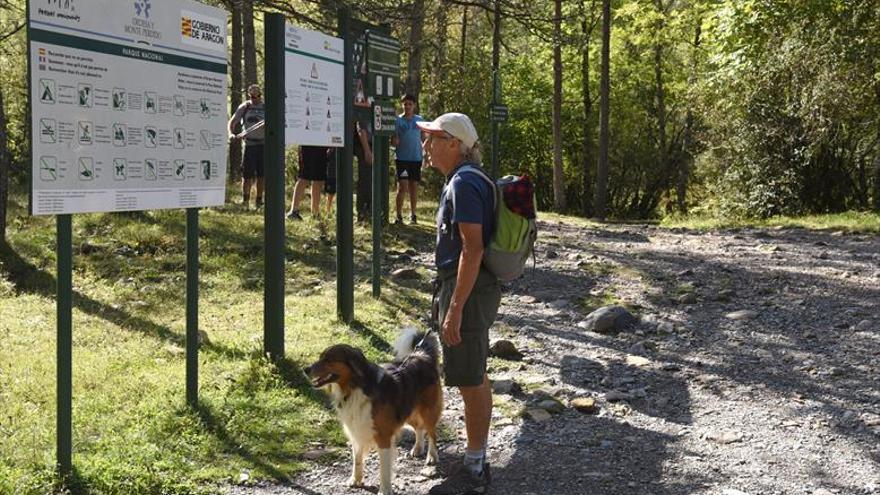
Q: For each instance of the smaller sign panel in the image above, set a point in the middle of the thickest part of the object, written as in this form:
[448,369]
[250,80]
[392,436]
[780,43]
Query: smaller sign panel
[383,65]
[313,86]
[384,118]
[498,113]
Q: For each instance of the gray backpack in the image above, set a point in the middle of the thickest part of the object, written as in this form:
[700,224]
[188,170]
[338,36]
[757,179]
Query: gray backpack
[513,239]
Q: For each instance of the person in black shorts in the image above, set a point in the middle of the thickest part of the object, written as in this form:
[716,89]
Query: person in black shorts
[363,151]
[251,116]
[407,140]
[312,169]
[330,182]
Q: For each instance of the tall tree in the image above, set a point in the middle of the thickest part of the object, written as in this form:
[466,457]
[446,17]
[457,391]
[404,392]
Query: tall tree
[588,23]
[558,172]
[661,174]
[437,101]
[602,169]
[4,169]
[414,65]
[249,42]
[686,164]
[237,90]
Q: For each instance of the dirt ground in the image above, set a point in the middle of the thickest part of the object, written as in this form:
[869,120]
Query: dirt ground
[753,369]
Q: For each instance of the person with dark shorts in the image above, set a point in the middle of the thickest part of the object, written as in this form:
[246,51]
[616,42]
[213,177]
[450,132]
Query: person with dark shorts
[468,294]
[408,146]
[363,151]
[312,170]
[251,116]
[330,183]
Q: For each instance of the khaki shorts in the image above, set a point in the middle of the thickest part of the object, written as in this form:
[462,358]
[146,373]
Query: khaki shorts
[464,365]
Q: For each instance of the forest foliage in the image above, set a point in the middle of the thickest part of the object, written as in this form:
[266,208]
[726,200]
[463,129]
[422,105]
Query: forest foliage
[738,108]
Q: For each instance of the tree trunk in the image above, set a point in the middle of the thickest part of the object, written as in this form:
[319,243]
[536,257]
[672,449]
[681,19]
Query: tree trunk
[413,84]
[461,58]
[660,107]
[604,108]
[250,44]
[558,172]
[587,144]
[464,26]
[439,73]
[237,90]
[877,183]
[877,160]
[4,170]
[687,163]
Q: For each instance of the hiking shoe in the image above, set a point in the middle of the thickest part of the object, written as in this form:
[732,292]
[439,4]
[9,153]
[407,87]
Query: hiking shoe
[399,220]
[463,481]
[294,215]
[259,203]
[412,220]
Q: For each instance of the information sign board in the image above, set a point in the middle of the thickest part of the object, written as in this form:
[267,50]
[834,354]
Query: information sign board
[383,65]
[128,105]
[498,113]
[384,117]
[314,84]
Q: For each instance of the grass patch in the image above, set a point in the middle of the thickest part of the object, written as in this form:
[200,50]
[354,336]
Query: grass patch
[132,432]
[852,221]
[594,301]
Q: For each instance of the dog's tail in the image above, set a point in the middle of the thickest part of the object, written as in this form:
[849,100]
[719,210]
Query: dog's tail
[412,340]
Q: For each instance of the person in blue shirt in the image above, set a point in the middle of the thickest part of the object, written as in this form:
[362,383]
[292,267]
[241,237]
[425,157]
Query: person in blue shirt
[468,294]
[407,140]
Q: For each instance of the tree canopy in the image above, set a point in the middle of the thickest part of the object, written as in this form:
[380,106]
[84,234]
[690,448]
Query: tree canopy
[746,108]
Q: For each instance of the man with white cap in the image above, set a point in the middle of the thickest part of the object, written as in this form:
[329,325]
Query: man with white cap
[468,295]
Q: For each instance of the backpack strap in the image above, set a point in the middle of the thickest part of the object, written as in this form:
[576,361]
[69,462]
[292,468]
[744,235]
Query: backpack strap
[482,173]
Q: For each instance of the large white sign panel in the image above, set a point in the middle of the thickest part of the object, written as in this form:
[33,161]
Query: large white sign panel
[314,85]
[128,105]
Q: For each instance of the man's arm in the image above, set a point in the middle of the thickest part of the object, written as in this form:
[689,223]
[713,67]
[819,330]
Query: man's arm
[468,269]
[364,136]
[234,120]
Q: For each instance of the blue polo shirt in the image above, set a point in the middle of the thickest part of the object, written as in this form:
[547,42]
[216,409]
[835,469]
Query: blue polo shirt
[409,145]
[466,198]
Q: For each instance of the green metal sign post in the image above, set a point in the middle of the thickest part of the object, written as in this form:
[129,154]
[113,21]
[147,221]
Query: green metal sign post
[64,371]
[384,119]
[345,185]
[496,103]
[273,220]
[192,306]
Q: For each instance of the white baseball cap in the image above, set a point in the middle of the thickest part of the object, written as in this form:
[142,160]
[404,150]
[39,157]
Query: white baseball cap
[458,125]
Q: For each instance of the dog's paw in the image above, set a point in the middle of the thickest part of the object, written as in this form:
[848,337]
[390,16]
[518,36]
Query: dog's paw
[416,451]
[432,458]
[355,482]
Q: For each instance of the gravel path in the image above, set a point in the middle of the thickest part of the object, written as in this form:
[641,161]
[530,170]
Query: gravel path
[753,370]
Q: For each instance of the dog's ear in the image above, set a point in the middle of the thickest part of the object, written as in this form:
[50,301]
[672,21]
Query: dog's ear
[360,369]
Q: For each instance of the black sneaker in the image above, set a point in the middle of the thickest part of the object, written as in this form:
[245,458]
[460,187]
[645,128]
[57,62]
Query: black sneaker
[412,220]
[294,215]
[259,203]
[399,220]
[463,481]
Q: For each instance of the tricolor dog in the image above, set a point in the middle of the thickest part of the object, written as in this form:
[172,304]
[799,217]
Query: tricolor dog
[374,402]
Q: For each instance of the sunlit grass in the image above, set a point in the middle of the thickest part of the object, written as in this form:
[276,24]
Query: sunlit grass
[132,430]
[849,222]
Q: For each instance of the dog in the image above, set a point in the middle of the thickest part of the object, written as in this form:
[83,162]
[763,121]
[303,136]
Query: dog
[374,402]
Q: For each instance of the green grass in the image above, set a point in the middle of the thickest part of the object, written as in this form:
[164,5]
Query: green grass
[132,432]
[852,221]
